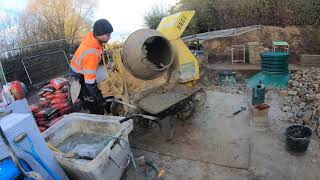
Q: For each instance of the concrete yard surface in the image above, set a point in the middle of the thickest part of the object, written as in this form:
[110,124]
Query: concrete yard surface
[214,144]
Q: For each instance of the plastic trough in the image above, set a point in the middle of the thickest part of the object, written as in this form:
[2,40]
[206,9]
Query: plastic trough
[82,125]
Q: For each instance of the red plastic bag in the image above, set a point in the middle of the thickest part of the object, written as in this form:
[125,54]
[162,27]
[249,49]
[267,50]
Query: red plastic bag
[40,119]
[17,90]
[40,114]
[63,90]
[44,103]
[42,123]
[35,108]
[64,111]
[47,119]
[47,113]
[58,101]
[55,120]
[42,129]
[48,88]
[50,96]
[42,99]
[45,94]
[58,83]
[61,95]
[61,105]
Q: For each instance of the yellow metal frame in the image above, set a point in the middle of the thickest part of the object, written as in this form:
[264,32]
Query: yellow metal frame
[185,62]
[118,81]
[174,25]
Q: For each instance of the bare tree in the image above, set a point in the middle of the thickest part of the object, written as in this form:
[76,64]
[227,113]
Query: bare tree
[56,19]
[8,31]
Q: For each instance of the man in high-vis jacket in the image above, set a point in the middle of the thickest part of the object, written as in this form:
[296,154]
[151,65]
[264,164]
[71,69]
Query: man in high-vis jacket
[85,63]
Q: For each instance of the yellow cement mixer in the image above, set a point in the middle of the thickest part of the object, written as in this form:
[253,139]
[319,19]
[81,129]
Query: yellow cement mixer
[148,54]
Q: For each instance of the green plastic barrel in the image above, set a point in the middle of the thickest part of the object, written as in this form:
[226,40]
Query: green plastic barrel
[274,63]
[258,94]
[274,70]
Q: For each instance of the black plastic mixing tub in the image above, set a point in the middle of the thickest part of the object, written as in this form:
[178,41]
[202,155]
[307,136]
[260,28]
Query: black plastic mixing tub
[297,139]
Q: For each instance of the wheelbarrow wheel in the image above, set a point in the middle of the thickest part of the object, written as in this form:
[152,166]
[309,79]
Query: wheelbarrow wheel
[117,109]
[199,98]
[168,127]
[187,111]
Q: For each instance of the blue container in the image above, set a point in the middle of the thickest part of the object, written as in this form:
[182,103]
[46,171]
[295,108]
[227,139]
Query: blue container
[8,169]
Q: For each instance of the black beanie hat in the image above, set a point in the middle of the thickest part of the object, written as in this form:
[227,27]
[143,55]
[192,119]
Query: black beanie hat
[101,27]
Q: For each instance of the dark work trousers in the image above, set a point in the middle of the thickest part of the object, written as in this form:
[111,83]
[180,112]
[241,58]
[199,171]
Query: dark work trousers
[88,101]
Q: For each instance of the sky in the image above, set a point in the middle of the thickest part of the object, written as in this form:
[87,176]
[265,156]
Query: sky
[11,6]
[125,16]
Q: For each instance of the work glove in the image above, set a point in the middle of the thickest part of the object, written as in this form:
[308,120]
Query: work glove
[95,92]
[106,102]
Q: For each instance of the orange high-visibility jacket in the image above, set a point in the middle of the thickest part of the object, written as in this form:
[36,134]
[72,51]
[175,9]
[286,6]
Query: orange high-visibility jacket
[86,59]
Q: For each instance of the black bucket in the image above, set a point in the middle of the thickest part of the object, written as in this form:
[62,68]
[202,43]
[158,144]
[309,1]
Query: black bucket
[297,139]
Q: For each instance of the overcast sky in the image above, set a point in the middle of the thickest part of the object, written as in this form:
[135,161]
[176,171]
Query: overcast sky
[11,6]
[126,16]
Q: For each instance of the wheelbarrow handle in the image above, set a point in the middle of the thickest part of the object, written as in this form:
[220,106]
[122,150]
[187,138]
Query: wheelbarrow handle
[125,119]
[152,118]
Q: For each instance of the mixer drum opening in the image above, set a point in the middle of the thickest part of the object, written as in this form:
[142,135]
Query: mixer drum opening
[147,54]
[158,53]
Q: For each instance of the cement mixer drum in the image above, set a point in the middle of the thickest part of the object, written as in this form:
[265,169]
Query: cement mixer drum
[147,54]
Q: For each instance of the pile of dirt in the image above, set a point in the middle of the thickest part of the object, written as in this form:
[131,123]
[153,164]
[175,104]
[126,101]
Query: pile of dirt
[303,98]
[301,40]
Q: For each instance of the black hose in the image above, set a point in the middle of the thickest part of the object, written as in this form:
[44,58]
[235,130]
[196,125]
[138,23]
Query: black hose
[152,166]
[125,119]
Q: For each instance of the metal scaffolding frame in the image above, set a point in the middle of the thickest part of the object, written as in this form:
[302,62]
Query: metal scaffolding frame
[39,55]
[220,33]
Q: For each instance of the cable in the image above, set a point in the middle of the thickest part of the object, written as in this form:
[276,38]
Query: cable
[130,154]
[109,77]
[54,148]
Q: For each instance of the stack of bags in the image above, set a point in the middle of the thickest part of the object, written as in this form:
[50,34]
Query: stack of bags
[54,103]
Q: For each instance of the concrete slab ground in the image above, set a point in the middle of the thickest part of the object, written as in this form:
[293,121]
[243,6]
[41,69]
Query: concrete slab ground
[270,160]
[184,169]
[214,144]
[212,135]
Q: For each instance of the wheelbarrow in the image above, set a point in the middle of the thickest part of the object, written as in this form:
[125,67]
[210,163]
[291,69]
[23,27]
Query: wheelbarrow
[167,100]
